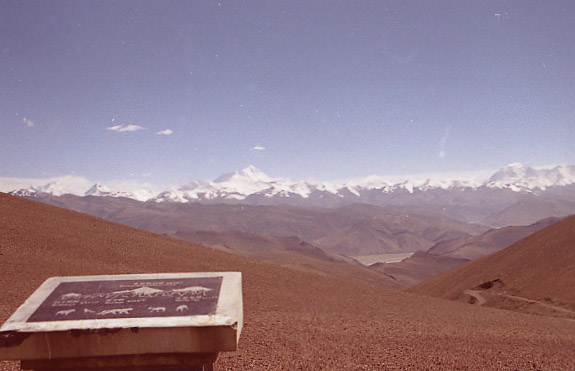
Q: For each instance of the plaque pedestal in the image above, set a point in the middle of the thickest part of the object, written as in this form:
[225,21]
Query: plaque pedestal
[154,362]
[126,322]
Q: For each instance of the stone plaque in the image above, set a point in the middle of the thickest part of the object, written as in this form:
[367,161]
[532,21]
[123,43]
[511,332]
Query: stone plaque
[129,299]
[126,316]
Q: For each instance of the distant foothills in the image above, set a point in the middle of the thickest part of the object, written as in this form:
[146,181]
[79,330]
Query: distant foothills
[439,223]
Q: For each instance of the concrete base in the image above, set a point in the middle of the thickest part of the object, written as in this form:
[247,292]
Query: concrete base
[142,362]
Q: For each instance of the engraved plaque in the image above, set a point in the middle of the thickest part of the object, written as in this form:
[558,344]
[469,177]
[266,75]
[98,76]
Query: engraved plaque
[133,315]
[130,298]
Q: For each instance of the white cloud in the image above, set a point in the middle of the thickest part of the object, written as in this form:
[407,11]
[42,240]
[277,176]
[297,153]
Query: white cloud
[28,122]
[258,148]
[165,132]
[123,128]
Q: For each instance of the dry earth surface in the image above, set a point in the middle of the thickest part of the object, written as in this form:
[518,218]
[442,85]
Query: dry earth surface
[293,319]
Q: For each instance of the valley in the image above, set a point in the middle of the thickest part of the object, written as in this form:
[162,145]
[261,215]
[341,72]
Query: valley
[384,328]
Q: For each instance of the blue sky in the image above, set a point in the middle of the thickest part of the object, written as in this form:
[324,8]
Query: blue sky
[302,89]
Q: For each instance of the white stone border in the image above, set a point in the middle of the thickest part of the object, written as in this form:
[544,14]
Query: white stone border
[229,310]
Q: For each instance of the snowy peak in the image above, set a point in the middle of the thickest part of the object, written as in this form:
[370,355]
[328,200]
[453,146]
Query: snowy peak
[252,185]
[518,177]
[248,175]
[55,188]
[26,192]
[98,190]
[235,186]
[512,172]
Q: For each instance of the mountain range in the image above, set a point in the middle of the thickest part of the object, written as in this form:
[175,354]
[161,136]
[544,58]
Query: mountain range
[492,201]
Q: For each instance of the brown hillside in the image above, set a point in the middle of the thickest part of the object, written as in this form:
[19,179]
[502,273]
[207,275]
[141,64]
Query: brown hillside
[475,247]
[529,210]
[293,319]
[395,234]
[169,218]
[290,252]
[417,268]
[532,275]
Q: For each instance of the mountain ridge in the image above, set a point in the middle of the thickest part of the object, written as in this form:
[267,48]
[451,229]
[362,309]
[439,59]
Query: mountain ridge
[470,201]
[251,182]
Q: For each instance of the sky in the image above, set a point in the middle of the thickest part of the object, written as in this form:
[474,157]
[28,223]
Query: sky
[166,92]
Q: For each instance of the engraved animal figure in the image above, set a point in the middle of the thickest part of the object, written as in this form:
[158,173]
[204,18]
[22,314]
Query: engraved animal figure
[65,312]
[71,296]
[156,309]
[182,308]
[115,311]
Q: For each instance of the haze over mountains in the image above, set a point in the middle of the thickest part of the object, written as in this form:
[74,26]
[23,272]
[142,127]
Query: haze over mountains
[470,200]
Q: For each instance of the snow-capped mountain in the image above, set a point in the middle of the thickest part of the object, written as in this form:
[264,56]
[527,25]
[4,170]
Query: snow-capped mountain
[253,186]
[235,186]
[518,177]
[100,190]
[55,188]
[251,183]
[248,175]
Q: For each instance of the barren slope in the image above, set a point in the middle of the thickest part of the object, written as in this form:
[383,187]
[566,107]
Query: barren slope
[169,218]
[293,319]
[529,210]
[289,252]
[475,247]
[537,269]
[419,267]
[395,234]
